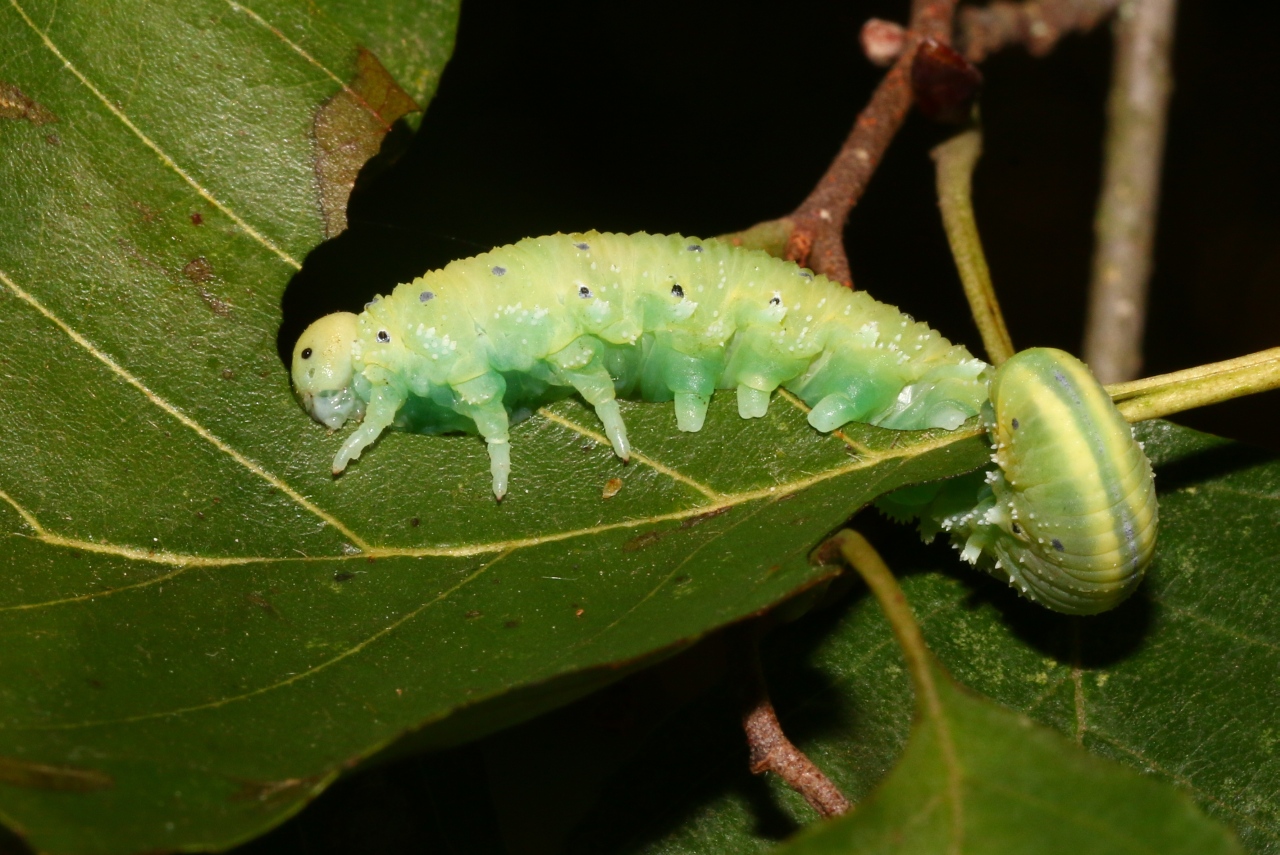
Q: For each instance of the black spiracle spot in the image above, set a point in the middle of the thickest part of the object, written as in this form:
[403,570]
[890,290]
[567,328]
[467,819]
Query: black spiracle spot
[384,336]
[775,301]
[693,247]
[306,353]
[1017,529]
[677,291]
[583,246]
[425,296]
[1015,424]
[584,292]
[499,271]
[1057,544]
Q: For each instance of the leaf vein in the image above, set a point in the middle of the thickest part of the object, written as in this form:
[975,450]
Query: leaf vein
[151,144]
[662,468]
[298,49]
[291,679]
[200,430]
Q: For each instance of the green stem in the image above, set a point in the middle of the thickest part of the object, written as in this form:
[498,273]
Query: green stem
[862,556]
[956,159]
[1165,394]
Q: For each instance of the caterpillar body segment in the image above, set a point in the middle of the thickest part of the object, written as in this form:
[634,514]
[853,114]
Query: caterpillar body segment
[1077,488]
[1067,511]
[670,318]
[655,317]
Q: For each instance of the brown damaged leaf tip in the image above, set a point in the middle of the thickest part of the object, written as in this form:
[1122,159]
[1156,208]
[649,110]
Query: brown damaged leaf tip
[349,129]
[944,83]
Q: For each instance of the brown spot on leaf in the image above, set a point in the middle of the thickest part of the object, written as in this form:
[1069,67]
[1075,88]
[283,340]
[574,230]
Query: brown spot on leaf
[15,105]
[701,518]
[611,488]
[640,541]
[256,599]
[197,219]
[200,271]
[147,212]
[348,130]
[42,776]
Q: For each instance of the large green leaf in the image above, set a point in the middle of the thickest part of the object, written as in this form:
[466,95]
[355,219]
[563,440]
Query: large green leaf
[201,627]
[1179,683]
[977,778]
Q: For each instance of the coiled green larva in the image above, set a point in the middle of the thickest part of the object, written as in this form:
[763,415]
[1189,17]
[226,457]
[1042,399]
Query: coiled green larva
[660,318]
[1068,510]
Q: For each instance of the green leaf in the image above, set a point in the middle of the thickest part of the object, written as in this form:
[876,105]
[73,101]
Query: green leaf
[1179,683]
[203,628]
[977,778]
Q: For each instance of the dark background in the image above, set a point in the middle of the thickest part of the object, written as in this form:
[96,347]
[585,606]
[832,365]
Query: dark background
[707,117]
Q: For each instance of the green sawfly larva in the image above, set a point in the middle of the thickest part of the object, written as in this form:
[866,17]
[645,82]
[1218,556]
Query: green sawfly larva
[1066,512]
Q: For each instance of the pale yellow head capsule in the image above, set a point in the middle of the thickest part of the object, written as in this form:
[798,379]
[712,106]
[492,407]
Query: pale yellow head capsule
[323,371]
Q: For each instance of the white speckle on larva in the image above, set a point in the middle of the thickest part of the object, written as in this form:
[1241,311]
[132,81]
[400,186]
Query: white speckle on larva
[808,317]
[593,265]
[613,268]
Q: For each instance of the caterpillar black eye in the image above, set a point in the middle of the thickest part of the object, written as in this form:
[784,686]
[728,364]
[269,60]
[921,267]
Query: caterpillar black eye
[677,291]
[306,353]
[775,300]
[384,336]
[425,296]
[1017,529]
[584,292]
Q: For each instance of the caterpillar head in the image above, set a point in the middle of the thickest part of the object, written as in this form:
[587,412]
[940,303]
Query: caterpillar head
[323,371]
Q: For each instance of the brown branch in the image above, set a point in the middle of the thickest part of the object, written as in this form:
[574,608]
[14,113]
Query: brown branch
[1125,222]
[817,237]
[1036,24]
[814,232]
[771,751]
